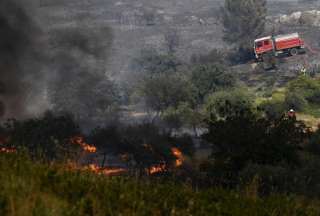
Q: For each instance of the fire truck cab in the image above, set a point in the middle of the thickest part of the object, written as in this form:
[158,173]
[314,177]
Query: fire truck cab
[263,45]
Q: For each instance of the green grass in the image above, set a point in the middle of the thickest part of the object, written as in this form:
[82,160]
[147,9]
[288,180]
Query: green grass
[313,109]
[34,188]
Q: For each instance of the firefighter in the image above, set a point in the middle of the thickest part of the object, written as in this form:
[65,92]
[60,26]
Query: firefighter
[304,71]
[291,114]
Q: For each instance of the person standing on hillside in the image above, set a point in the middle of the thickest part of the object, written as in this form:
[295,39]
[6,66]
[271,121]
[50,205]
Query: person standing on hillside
[303,71]
[291,114]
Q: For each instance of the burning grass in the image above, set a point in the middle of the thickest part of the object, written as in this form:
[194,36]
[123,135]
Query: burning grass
[34,188]
[162,167]
[79,140]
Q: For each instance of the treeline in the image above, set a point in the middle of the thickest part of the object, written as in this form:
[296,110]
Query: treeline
[277,154]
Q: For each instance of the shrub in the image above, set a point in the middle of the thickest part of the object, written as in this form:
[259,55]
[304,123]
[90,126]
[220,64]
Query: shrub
[215,56]
[306,88]
[48,135]
[238,140]
[145,145]
[296,101]
[208,78]
[273,109]
[228,103]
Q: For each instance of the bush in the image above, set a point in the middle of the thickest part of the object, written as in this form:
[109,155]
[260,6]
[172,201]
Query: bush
[271,179]
[145,145]
[238,140]
[215,56]
[208,78]
[228,103]
[306,88]
[295,101]
[166,90]
[273,109]
[313,144]
[48,135]
[302,180]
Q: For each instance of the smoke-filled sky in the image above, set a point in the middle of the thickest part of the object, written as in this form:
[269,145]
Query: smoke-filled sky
[62,69]
[19,59]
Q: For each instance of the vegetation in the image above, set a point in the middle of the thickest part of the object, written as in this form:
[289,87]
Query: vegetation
[243,21]
[301,94]
[210,145]
[226,103]
[48,135]
[209,78]
[34,188]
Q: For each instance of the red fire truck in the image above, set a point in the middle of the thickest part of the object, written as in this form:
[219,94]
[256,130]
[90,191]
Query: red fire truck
[290,44]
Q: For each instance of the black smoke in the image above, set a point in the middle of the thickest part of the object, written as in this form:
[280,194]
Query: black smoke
[79,85]
[62,65]
[19,60]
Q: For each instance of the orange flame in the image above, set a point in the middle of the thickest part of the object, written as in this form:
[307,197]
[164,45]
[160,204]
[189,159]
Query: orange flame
[162,167]
[7,150]
[178,154]
[104,171]
[78,140]
[157,169]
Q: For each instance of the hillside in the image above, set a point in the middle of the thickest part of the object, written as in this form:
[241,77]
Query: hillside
[143,24]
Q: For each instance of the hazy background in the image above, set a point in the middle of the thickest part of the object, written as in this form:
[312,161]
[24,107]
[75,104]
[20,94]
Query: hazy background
[61,47]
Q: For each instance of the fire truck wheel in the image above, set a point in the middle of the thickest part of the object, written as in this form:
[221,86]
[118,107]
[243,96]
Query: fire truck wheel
[294,51]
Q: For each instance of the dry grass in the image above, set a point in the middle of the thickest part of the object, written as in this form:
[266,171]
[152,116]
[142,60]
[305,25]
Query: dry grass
[309,120]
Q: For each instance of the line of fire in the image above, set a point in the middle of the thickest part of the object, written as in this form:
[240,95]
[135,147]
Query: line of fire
[92,160]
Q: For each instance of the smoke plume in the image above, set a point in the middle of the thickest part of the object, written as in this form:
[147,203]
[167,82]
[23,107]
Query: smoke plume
[80,86]
[20,69]
[58,67]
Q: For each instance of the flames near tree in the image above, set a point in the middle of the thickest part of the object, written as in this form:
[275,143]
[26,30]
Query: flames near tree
[79,140]
[7,150]
[91,149]
[178,154]
[163,167]
[3,145]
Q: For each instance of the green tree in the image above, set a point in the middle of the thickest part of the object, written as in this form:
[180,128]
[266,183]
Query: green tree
[208,78]
[166,90]
[239,140]
[156,80]
[243,21]
[223,104]
[307,87]
[185,114]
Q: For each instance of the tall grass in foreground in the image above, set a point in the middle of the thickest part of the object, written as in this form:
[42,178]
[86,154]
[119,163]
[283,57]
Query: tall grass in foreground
[33,188]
